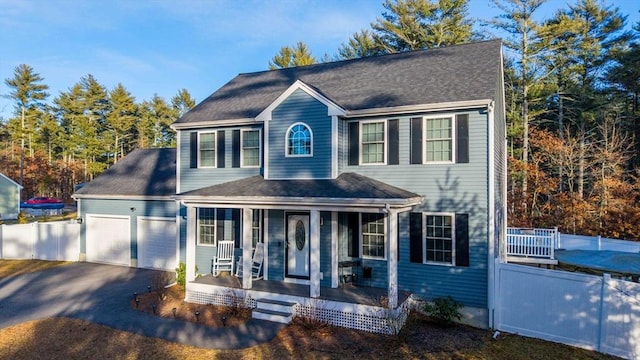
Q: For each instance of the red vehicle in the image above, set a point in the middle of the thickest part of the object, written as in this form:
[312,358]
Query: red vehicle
[44,200]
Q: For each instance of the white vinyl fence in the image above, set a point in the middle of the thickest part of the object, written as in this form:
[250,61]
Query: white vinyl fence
[592,312]
[44,241]
[581,242]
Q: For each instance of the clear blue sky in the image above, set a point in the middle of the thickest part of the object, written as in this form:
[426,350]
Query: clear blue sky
[159,47]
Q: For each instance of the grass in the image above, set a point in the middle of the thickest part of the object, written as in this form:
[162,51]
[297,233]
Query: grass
[45,218]
[63,338]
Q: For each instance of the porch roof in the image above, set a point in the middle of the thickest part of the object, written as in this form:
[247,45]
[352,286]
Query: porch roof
[349,189]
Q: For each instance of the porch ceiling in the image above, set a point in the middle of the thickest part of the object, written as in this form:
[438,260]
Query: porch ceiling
[349,190]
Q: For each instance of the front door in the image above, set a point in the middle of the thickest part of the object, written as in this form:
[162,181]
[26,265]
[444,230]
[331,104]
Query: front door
[298,246]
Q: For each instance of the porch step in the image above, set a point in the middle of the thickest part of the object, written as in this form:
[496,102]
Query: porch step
[273,310]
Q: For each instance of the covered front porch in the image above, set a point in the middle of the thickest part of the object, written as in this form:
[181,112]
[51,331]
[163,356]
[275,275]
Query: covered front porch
[328,245]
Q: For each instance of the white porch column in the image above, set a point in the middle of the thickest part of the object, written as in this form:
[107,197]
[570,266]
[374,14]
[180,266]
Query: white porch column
[314,253]
[392,258]
[191,243]
[247,220]
[334,249]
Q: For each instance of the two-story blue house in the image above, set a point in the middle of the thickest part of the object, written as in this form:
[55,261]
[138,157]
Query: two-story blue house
[365,183]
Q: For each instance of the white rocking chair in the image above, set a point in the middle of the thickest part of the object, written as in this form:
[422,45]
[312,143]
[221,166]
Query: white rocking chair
[223,261]
[257,258]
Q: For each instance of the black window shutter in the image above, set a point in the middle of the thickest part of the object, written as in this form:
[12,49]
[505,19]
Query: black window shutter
[354,143]
[416,140]
[220,218]
[235,215]
[220,150]
[235,162]
[462,141]
[394,142]
[193,153]
[415,234]
[462,239]
[354,238]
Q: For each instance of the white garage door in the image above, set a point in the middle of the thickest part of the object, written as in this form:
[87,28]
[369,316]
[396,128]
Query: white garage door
[157,243]
[108,239]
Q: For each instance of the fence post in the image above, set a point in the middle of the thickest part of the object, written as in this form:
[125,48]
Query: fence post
[606,278]
[599,242]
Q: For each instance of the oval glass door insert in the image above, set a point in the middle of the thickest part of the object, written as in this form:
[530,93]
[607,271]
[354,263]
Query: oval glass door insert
[301,235]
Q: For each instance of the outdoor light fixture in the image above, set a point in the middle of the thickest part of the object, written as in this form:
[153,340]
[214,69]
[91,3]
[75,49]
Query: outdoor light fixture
[132,209]
[79,220]
[174,312]
[197,314]
[135,296]
[149,288]
[224,321]
[154,307]
[137,302]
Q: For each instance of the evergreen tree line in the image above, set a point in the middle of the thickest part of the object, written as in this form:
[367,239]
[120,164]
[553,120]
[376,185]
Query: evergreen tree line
[571,81]
[51,146]
[571,87]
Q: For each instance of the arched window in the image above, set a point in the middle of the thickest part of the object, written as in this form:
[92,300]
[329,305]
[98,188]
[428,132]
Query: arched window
[299,140]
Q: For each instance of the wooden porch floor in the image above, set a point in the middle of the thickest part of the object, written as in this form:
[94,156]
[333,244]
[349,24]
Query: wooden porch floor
[348,293]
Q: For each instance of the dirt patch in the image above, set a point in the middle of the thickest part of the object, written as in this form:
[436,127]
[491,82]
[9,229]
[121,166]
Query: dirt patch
[173,298]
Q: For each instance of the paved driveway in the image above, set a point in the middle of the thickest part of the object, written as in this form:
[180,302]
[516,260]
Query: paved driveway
[101,294]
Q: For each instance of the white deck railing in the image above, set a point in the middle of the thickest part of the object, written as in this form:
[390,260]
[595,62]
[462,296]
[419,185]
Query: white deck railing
[528,242]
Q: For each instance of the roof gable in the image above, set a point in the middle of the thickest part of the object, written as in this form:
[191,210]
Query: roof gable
[333,109]
[460,73]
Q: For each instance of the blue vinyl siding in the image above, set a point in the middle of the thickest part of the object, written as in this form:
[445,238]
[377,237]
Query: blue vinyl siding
[156,208]
[458,188]
[276,235]
[325,249]
[196,178]
[300,107]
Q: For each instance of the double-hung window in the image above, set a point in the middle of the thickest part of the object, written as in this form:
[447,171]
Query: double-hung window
[439,139]
[299,140]
[250,148]
[373,233]
[373,142]
[207,150]
[207,226]
[439,238]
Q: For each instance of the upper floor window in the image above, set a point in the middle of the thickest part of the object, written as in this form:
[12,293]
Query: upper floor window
[439,139]
[439,240]
[373,142]
[250,148]
[299,140]
[207,150]
[372,235]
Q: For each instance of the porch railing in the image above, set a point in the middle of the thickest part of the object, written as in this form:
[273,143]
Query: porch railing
[529,242]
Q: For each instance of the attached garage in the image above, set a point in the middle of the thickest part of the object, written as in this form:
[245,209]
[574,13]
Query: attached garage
[157,243]
[108,239]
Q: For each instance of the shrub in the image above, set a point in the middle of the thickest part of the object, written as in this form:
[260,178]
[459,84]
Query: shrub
[22,218]
[444,310]
[181,274]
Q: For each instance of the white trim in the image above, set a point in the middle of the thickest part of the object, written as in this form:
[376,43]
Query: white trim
[247,224]
[296,281]
[334,147]
[215,149]
[491,211]
[215,226]
[242,165]
[210,123]
[314,253]
[265,238]
[266,151]
[332,108]
[454,142]
[191,243]
[286,141]
[334,250]
[178,223]
[453,238]
[178,162]
[391,233]
[407,109]
[385,142]
[125,197]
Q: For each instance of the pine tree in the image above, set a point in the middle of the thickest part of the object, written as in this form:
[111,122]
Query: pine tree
[298,55]
[182,102]
[361,44]
[121,119]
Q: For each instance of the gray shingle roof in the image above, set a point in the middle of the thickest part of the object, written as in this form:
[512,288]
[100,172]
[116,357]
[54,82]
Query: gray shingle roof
[346,186]
[447,74]
[143,172]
